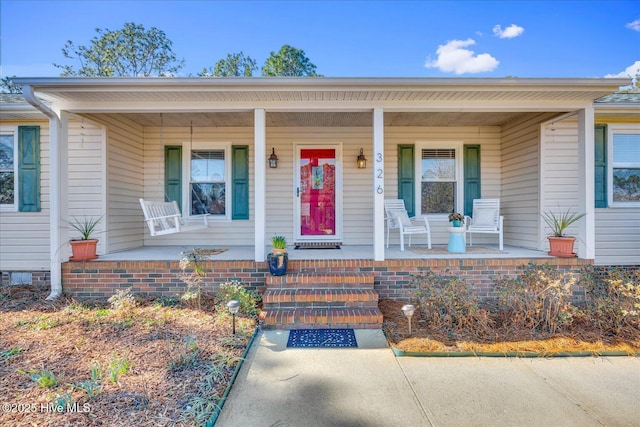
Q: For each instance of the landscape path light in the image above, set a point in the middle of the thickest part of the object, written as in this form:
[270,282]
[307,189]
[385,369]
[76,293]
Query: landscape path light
[233,306]
[408,311]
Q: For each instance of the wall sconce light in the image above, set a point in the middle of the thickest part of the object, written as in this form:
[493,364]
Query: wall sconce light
[362,160]
[273,159]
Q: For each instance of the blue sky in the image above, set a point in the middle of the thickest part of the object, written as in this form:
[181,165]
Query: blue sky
[348,39]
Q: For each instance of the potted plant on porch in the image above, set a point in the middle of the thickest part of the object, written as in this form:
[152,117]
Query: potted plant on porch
[84,247]
[278,258]
[559,244]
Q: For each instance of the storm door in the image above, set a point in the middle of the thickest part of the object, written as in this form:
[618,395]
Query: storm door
[318,215]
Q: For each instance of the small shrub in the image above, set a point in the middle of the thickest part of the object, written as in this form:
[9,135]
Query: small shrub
[123,300]
[188,357]
[236,290]
[43,378]
[8,354]
[538,299]
[613,298]
[447,303]
[194,279]
[92,388]
[119,365]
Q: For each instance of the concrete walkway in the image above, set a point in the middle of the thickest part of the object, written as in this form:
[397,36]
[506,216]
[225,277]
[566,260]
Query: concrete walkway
[369,386]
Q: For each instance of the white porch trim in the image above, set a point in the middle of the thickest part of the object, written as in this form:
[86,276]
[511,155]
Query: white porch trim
[586,173]
[260,178]
[377,166]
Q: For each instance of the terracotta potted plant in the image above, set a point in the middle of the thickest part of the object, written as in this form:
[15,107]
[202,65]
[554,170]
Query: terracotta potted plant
[559,244]
[84,247]
[278,258]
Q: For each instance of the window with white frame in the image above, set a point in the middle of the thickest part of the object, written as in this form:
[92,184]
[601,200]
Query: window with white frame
[624,169]
[8,169]
[439,187]
[209,170]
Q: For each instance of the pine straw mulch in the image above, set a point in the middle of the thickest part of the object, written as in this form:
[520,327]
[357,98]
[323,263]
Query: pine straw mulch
[424,338]
[180,360]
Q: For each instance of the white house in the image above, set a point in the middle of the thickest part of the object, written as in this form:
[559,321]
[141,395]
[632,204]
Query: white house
[95,146]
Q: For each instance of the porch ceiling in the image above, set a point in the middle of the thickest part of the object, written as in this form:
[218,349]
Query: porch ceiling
[321,119]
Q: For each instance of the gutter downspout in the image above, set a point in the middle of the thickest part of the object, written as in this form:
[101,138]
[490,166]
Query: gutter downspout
[55,183]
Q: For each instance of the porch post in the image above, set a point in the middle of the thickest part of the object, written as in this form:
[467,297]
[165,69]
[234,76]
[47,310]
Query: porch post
[378,184]
[586,159]
[259,147]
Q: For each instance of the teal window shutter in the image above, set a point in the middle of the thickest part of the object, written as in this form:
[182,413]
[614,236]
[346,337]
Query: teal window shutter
[173,174]
[406,173]
[29,168]
[472,189]
[600,164]
[240,182]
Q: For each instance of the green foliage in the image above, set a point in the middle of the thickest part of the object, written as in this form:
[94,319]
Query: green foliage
[188,357]
[613,298]
[236,290]
[62,401]
[118,366]
[448,303]
[8,354]
[289,62]
[234,65]
[279,242]
[86,226]
[131,51]
[92,388]
[43,378]
[7,193]
[559,222]
[8,86]
[538,299]
[38,323]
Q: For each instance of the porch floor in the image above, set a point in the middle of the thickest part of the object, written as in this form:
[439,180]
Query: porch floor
[246,253]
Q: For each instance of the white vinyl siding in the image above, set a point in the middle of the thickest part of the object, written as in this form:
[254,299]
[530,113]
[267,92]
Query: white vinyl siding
[221,233]
[520,203]
[24,236]
[124,184]
[357,215]
[488,137]
[617,228]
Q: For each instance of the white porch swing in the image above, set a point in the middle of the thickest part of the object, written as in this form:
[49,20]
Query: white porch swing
[165,217]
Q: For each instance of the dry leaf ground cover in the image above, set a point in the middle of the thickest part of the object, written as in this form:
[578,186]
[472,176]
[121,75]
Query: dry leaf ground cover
[154,363]
[534,313]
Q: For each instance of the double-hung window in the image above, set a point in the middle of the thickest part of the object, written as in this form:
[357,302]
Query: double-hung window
[8,169]
[624,169]
[209,176]
[440,185]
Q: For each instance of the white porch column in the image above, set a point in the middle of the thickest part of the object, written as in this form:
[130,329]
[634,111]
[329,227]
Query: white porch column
[586,158]
[377,166]
[260,178]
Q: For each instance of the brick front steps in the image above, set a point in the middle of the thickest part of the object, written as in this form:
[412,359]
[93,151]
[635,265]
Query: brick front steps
[321,300]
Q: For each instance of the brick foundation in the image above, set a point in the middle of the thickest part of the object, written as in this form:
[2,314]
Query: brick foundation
[100,279]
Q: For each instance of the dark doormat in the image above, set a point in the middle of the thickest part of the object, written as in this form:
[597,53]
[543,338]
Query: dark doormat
[317,245]
[321,338]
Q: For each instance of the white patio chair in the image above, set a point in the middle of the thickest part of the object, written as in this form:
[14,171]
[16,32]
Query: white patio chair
[409,227]
[392,223]
[486,219]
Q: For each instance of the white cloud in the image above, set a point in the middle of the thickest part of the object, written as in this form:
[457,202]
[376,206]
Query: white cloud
[631,71]
[452,57]
[635,25]
[512,31]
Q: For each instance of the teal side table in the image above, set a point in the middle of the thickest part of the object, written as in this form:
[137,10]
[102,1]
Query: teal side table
[456,240]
